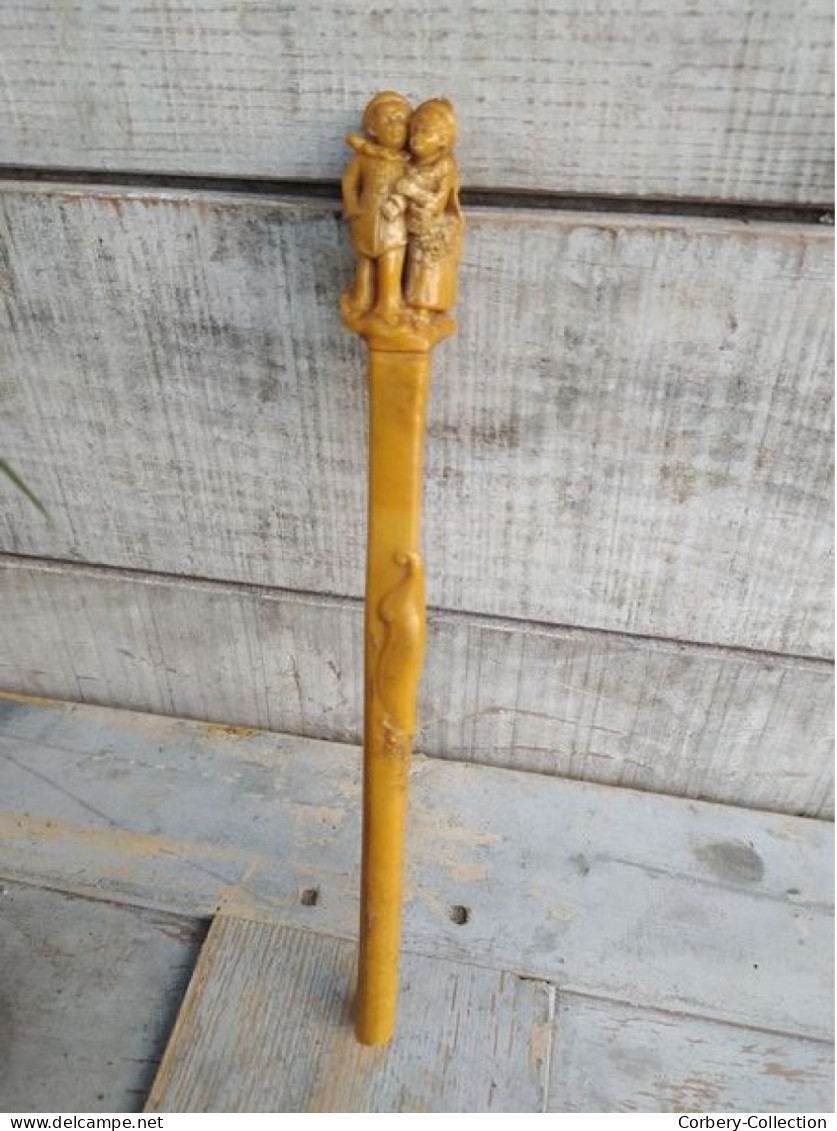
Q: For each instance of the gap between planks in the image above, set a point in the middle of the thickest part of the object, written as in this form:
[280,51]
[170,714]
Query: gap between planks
[266,918]
[206,275]
[272,1004]
[594,705]
[732,929]
[682,105]
[438,1053]
[506,198]
[343,601]
[93,894]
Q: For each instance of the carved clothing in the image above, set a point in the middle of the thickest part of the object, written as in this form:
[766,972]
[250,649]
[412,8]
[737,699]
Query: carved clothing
[368,184]
[434,225]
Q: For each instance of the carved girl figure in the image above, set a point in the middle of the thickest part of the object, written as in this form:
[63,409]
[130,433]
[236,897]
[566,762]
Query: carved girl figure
[434,217]
[378,228]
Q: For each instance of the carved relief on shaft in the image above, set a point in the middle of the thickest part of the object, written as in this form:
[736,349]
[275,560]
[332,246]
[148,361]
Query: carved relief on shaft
[397,642]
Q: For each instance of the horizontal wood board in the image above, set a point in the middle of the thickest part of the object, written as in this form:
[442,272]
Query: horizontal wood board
[631,432]
[722,725]
[657,902]
[730,101]
[90,992]
[609,1057]
[91,988]
[266,1026]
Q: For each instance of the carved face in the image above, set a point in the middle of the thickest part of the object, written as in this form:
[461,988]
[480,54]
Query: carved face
[429,135]
[389,125]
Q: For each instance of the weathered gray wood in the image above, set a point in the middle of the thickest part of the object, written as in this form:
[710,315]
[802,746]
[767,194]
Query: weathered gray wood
[266,1026]
[658,902]
[736,727]
[631,431]
[272,1006]
[609,1057]
[730,100]
[90,991]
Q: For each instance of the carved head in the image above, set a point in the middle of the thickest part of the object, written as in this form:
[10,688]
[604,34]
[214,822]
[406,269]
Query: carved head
[386,119]
[432,129]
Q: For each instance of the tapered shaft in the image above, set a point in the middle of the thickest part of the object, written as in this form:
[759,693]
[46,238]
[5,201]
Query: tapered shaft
[401,197]
[394,646]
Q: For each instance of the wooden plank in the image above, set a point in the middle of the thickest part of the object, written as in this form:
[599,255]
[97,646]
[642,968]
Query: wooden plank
[273,1006]
[609,1057]
[452,1017]
[658,902]
[630,433]
[731,726]
[730,101]
[90,991]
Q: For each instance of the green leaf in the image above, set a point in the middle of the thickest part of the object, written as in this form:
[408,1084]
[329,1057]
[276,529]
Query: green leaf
[21,486]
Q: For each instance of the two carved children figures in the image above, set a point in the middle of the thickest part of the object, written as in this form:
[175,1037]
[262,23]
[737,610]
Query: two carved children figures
[401,197]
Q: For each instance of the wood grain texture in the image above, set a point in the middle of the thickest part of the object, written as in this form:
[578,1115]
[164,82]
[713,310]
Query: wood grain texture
[266,1026]
[730,100]
[609,1057]
[654,901]
[90,991]
[631,431]
[736,727]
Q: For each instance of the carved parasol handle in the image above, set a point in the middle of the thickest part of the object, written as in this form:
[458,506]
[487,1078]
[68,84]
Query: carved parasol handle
[401,198]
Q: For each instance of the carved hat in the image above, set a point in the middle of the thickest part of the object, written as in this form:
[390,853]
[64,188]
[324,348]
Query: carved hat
[384,98]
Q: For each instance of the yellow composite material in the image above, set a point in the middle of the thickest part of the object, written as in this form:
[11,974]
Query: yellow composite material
[401,198]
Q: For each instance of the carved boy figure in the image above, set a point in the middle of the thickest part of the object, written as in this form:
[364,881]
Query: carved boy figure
[376,215]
